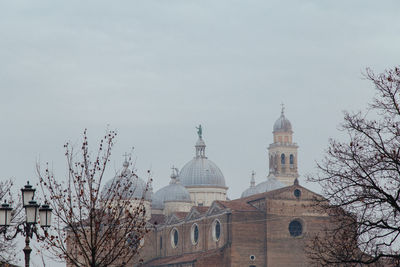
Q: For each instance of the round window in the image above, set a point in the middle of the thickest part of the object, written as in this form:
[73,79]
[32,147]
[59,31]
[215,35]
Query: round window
[252,257]
[194,234]
[174,237]
[216,230]
[297,193]
[295,228]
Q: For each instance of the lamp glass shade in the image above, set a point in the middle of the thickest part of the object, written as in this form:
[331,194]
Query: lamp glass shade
[28,193]
[31,212]
[5,214]
[45,215]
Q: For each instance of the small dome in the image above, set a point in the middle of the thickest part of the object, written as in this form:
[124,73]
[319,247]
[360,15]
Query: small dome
[137,187]
[249,192]
[270,184]
[282,124]
[201,171]
[175,191]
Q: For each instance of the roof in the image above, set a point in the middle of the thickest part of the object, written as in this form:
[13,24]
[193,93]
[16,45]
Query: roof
[174,192]
[157,219]
[237,205]
[181,214]
[202,209]
[269,185]
[201,171]
[282,124]
[126,185]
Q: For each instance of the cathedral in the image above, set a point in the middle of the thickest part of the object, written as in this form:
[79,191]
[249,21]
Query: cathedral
[193,223]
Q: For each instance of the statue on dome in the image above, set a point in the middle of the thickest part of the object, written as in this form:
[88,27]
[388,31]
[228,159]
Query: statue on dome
[199,131]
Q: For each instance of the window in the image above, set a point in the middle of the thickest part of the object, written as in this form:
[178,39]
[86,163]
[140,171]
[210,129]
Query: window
[252,257]
[174,237]
[216,230]
[283,159]
[160,242]
[291,160]
[297,193]
[295,228]
[194,234]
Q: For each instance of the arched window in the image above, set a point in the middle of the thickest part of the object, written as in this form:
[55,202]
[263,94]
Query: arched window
[283,159]
[194,234]
[160,242]
[291,160]
[174,237]
[216,230]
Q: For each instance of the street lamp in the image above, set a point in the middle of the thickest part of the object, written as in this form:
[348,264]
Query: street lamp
[5,214]
[27,228]
[28,193]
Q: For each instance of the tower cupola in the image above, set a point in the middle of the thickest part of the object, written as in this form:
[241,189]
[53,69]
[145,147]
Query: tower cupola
[283,151]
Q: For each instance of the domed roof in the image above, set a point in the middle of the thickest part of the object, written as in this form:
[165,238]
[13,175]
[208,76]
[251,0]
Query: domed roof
[128,185]
[270,184]
[282,124]
[252,190]
[201,171]
[172,192]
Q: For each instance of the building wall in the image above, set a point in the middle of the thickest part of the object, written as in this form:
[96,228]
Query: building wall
[262,232]
[204,196]
[176,206]
[248,239]
[282,248]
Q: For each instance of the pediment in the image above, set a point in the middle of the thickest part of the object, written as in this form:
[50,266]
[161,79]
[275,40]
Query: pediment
[294,192]
[215,208]
[193,214]
[172,219]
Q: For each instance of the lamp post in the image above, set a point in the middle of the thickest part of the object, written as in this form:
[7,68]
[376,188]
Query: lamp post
[29,226]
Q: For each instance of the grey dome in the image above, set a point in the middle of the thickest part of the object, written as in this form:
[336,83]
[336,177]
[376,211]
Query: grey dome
[137,187]
[282,124]
[201,171]
[249,192]
[172,192]
[270,184]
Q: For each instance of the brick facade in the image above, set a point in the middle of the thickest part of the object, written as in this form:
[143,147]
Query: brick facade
[254,232]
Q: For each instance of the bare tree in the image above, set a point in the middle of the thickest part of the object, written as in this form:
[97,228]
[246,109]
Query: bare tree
[93,225]
[360,177]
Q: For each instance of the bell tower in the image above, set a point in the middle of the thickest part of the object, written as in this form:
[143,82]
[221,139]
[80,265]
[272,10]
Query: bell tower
[282,152]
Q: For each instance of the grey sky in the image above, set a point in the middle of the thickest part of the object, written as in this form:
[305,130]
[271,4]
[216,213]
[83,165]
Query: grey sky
[153,70]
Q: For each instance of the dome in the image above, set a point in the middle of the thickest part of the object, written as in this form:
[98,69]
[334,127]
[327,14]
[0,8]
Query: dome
[201,171]
[252,190]
[249,192]
[270,184]
[137,187]
[175,191]
[282,124]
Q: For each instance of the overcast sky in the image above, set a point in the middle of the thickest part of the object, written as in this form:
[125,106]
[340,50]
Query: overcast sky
[153,70]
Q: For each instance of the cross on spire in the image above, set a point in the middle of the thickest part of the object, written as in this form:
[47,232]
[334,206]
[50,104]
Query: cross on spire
[283,108]
[253,181]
